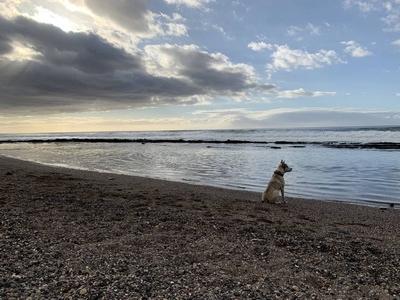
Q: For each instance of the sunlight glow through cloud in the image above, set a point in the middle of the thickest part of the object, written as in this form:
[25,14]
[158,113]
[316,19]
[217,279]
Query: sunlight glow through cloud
[46,16]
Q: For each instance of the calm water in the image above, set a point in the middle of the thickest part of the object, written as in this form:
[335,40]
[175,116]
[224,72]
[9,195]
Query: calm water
[362,176]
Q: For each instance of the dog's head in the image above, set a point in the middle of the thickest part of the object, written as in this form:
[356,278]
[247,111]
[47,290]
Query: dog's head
[284,167]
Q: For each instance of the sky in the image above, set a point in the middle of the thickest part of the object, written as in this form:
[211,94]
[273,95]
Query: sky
[127,65]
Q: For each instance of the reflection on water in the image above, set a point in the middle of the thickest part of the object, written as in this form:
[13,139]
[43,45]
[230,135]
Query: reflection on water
[350,175]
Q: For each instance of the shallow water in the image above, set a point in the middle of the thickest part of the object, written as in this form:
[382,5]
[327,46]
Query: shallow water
[369,177]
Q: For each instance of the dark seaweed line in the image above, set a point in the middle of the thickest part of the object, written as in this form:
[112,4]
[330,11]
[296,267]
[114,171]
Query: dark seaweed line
[383,146]
[340,145]
[143,141]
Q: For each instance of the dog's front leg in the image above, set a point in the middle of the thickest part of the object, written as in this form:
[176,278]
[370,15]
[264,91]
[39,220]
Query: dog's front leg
[283,195]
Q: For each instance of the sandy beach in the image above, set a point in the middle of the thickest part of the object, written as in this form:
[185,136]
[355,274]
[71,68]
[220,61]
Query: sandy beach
[70,234]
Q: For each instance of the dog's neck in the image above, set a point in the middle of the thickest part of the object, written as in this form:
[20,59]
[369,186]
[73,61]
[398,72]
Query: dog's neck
[277,172]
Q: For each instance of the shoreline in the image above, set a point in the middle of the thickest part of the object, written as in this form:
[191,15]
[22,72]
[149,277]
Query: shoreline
[75,233]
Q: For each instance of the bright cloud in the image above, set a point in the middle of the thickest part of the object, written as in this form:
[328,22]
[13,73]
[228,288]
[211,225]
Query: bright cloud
[135,18]
[303,93]
[46,16]
[259,46]
[190,3]
[288,59]
[397,43]
[355,50]
[9,8]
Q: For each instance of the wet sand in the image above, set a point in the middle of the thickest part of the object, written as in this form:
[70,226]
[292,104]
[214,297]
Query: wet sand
[76,234]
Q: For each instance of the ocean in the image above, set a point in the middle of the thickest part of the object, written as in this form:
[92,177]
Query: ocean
[358,165]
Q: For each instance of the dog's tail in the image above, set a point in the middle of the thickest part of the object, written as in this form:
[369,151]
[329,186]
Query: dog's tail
[264,196]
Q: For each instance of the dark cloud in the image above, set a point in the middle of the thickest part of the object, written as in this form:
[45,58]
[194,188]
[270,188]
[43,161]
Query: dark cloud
[208,71]
[74,72]
[35,88]
[86,52]
[5,41]
[217,80]
[202,69]
[5,46]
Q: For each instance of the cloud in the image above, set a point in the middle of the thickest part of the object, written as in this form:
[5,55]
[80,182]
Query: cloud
[392,18]
[135,18]
[45,15]
[85,52]
[175,17]
[190,3]
[131,15]
[288,59]
[9,8]
[298,117]
[223,32]
[72,72]
[310,28]
[303,93]
[293,30]
[398,94]
[390,8]
[259,46]
[121,21]
[355,50]
[397,43]
[213,72]
[62,72]
[207,119]
[314,30]
[175,29]
[364,6]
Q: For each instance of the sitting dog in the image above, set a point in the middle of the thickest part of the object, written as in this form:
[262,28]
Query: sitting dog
[276,184]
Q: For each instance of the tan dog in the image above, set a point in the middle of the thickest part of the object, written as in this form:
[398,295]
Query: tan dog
[276,184]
